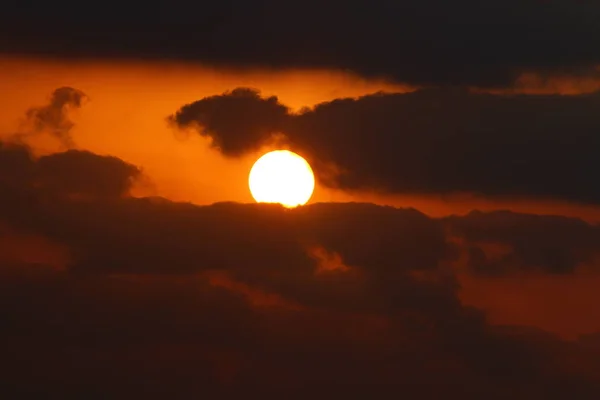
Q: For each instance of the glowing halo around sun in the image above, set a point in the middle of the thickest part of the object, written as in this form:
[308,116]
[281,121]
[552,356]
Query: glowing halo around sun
[283,177]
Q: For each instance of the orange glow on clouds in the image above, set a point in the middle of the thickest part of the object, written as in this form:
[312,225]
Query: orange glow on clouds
[31,250]
[566,305]
[255,297]
[128,103]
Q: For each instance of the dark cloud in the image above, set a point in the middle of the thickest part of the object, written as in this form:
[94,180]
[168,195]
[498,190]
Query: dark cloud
[53,118]
[159,298]
[16,164]
[122,336]
[73,173]
[261,118]
[428,141]
[420,42]
[502,241]
[81,173]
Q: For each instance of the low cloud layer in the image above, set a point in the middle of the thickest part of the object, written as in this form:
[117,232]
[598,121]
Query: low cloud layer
[421,42]
[160,298]
[433,141]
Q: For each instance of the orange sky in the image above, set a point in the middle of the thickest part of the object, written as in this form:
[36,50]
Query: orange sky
[126,114]
[125,117]
[128,105]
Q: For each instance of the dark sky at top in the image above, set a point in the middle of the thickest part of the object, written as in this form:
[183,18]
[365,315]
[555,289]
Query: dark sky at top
[416,41]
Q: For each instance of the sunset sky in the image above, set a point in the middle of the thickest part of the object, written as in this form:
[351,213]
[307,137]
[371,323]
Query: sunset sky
[451,246]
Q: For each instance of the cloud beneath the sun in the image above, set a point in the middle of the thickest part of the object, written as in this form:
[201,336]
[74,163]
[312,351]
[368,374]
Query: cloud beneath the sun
[238,292]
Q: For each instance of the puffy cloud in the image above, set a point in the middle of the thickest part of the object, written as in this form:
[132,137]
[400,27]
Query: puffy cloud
[212,115]
[53,117]
[81,173]
[428,141]
[74,173]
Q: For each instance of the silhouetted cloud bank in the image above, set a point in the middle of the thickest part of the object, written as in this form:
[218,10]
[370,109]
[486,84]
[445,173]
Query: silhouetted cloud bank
[157,298]
[433,141]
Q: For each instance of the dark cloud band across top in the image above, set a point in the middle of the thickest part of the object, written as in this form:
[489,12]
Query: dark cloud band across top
[421,42]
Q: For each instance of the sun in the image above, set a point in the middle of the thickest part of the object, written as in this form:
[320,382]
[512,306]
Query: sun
[281,176]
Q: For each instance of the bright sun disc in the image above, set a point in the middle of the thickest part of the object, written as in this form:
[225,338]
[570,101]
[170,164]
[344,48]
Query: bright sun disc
[281,176]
